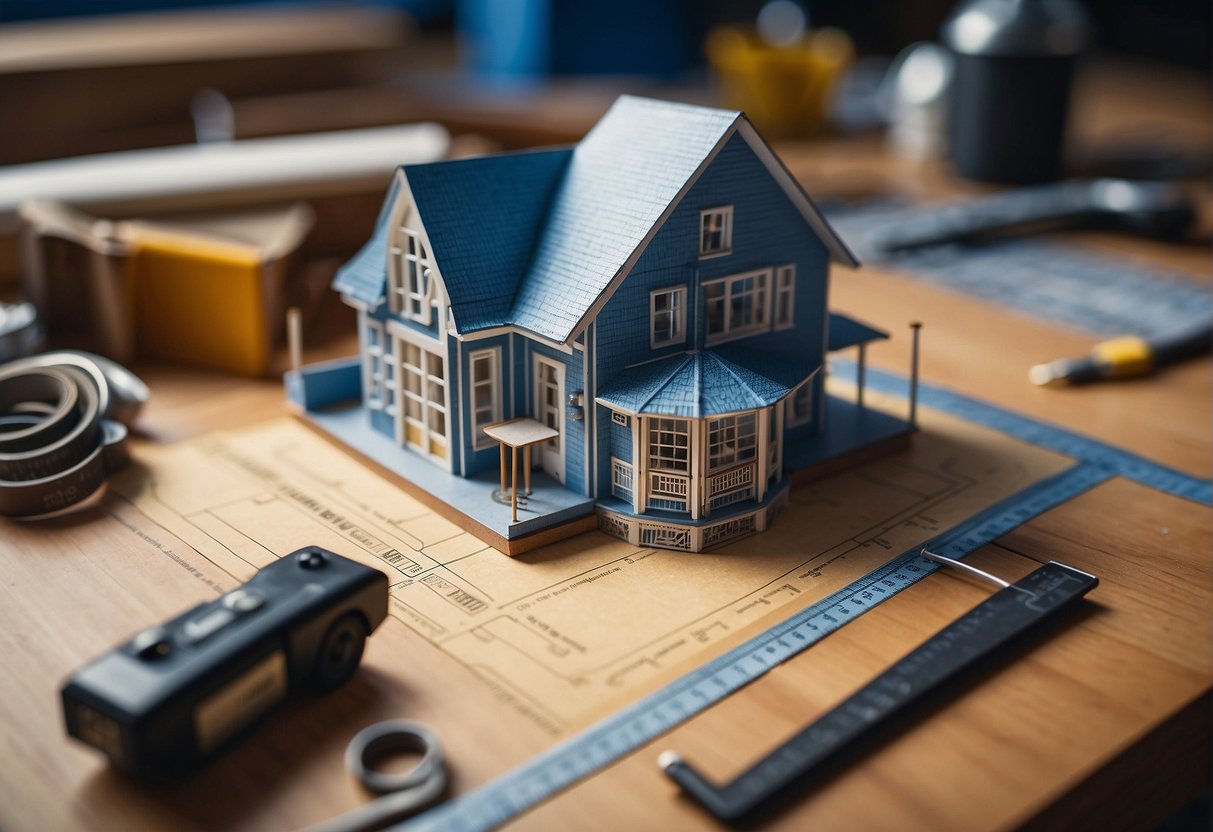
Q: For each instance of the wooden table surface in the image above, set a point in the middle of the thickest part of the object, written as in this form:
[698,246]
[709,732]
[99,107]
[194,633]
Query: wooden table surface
[1105,724]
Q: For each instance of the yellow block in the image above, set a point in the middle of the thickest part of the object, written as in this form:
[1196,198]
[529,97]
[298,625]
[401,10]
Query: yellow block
[201,301]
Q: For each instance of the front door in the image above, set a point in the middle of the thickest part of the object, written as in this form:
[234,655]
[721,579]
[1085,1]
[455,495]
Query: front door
[549,396]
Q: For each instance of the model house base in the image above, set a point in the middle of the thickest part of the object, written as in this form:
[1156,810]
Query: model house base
[328,398]
[635,327]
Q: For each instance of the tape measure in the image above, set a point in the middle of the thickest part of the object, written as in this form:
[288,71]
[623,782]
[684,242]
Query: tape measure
[621,733]
[63,427]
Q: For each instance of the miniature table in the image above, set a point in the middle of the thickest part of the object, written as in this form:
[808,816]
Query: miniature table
[1128,684]
[515,434]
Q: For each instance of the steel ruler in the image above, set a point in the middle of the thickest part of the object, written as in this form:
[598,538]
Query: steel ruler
[623,732]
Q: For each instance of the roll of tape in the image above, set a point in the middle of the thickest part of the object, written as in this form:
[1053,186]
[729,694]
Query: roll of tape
[56,445]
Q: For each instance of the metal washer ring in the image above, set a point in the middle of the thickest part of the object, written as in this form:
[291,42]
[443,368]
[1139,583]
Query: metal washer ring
[373,742]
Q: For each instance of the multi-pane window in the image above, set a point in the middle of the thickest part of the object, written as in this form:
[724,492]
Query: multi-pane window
[667,316]
[785,287]
[410,280]
[389,375]
[423,385]
[373,364]
[731,440]
[486,393]
[800,405]
[716,231]
[670,445]
[737,305]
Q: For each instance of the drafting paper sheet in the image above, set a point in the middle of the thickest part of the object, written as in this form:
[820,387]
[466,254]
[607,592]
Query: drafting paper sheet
[574,630]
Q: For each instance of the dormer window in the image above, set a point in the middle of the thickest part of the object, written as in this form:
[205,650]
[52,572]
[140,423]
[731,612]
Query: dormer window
[716,231]
[411,282]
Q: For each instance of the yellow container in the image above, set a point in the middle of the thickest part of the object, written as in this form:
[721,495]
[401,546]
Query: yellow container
[784,90]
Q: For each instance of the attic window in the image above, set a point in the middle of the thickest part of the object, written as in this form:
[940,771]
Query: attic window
[716,231]
[411,278]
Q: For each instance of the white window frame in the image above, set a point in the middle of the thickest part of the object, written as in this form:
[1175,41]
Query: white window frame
[798,408]
[421,408]
[732,329]
[676,310]
[784,297]
[411,291]
[623,479]
[620,418]
[724,215]
[675,428]
[723,454]
[373,340]
[492,358]
[389,373]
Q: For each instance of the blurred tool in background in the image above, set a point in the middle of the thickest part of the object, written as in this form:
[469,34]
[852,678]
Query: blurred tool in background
[1129,356]
[1015,61]
[780,72]
[209,291]
[19,332]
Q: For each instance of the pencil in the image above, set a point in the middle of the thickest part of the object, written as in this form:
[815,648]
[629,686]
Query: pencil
[1128,356]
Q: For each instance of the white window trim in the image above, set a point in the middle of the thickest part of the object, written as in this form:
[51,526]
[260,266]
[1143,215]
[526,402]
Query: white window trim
[621,419]
[735,419]
[651,458]
[790,417]
[780,289]
[726,213]
[730,332]
[678,326]
[390,388]
[402,296]
[559,459]
[428,348]
[623,479]
[493,355]
[372,361]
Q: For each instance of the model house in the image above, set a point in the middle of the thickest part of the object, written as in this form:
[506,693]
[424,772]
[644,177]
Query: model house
[652,300]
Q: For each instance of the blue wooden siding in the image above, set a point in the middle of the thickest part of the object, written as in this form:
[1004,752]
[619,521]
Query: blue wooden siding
[768,231]
[486,458]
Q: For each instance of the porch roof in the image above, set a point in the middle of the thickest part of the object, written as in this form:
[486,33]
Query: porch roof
[705,383]
[845,332]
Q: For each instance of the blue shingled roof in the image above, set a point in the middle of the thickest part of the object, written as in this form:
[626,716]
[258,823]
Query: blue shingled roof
[364,276]
[482,217]
[624,176]
[703,383]
[536,239]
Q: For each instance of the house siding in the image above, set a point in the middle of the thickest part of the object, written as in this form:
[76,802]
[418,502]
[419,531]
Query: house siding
[488,457]
[768,231]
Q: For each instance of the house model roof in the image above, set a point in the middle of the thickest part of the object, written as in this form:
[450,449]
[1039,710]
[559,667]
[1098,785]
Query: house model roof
[694,384]
[539,240]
